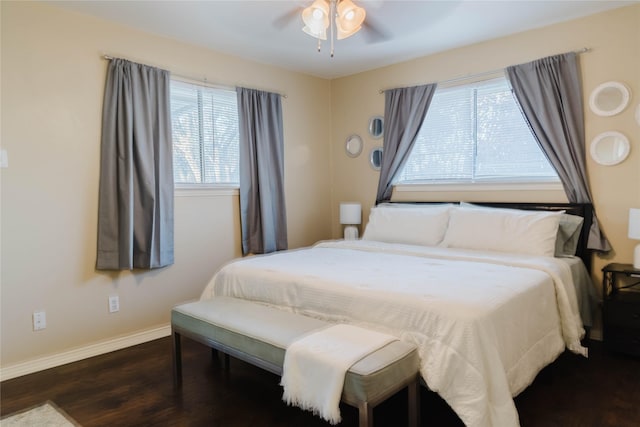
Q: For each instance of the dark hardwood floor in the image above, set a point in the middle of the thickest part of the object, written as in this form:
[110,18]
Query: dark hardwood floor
[133,387]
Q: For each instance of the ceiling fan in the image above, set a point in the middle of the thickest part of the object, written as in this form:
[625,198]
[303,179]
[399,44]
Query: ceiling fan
[342,18]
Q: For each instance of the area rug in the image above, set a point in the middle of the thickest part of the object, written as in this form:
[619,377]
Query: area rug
[44,415]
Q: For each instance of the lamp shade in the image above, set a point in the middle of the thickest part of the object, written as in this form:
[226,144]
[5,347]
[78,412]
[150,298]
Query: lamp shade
[316,19]
[317,33]
[350,213]
[634,224]
[349,20]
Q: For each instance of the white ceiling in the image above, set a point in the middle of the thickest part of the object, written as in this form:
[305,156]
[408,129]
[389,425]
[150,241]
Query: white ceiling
[398,30]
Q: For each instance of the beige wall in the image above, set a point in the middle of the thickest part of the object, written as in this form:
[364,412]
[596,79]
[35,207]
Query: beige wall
[52,87]
[52,80]
[614,38]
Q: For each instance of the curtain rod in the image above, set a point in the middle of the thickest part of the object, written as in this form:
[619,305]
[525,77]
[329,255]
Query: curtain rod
[214,85]
[486,73]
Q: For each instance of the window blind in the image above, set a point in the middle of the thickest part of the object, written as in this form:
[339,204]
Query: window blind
[205,134]
[476,132]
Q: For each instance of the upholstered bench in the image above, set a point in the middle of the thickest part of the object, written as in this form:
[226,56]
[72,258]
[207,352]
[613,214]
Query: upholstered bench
[259,335]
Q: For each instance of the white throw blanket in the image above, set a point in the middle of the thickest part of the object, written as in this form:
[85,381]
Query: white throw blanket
[315,367]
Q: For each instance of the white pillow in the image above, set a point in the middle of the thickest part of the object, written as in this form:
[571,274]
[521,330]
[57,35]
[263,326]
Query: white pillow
[503,230]
[424,226]
[569,230]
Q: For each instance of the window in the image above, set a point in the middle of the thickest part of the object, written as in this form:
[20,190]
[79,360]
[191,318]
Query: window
[476,133]
[205,135]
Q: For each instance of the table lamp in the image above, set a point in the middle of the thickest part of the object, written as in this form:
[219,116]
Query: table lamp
[350,215]
[634,233]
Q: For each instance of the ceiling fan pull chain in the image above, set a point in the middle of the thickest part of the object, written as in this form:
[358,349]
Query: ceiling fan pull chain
[333,15]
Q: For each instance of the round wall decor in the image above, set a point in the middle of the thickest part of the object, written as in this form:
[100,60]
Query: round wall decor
[353,146]
[609,148]
[609,98]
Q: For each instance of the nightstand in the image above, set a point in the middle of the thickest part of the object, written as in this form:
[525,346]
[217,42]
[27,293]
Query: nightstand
[621,308]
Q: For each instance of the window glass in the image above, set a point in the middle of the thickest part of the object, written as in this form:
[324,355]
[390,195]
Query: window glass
[476,133]
[205,134]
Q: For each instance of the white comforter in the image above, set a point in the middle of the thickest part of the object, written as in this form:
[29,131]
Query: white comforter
[484,323]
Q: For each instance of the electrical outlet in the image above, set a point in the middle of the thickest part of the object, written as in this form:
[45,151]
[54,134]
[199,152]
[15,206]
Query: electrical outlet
[114,304]
[39,320]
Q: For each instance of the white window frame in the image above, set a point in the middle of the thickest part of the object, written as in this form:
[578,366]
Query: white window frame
[482,187]
[204,189]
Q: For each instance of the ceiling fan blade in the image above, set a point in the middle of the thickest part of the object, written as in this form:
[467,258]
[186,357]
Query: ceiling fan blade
[286,18]
[373,32]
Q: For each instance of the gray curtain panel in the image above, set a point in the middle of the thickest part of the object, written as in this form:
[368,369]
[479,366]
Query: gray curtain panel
[262,205]
[135,213]
[549,91]
[404,112]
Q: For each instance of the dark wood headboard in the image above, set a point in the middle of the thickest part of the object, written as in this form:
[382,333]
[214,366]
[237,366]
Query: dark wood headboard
[584,210]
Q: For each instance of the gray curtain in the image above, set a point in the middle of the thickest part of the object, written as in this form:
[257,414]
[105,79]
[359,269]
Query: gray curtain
[135,213]
[262,206]
[404,112]
[549,92]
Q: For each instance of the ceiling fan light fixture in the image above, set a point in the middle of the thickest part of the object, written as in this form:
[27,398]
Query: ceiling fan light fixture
[342,16]
[349,18]
[319,33]
[342,34]
[316,19]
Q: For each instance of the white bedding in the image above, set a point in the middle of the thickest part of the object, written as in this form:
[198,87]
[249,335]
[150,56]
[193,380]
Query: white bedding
[484,323]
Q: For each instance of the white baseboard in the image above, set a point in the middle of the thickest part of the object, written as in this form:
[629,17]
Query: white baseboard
[42,363]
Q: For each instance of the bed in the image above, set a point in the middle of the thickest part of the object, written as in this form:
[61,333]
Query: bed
[489,293]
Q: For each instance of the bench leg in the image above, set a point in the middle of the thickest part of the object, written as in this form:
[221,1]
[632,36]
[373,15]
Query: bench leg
[365,415]
[365,410]
[414,403]
[225,358]
[177,360]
